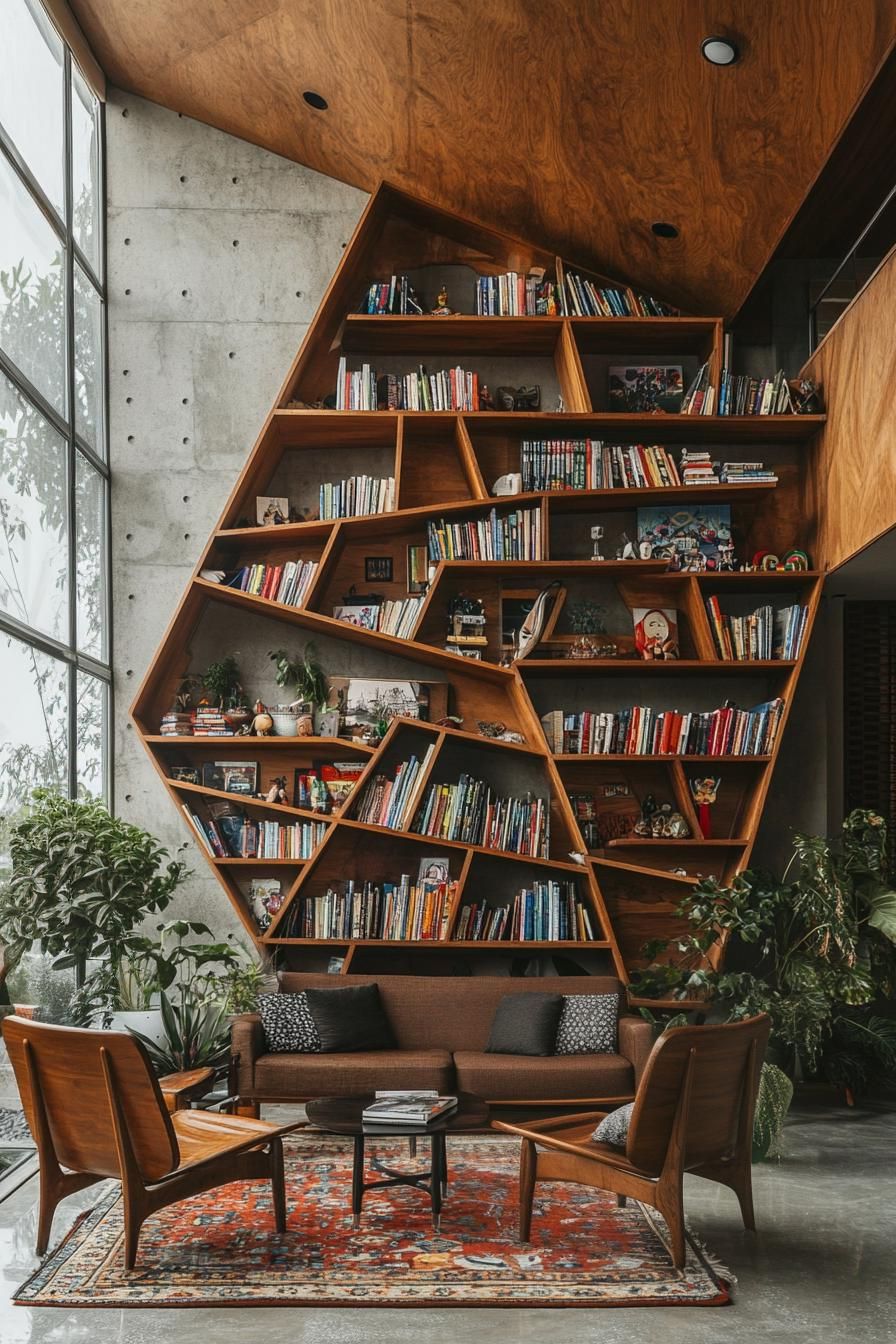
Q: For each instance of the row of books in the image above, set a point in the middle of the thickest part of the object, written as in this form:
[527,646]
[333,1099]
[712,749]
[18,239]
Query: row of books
[698,468]
[287,583]
[232,836]
[177,723]
[764,633]
[583,298]
[515,295]
[589,464]
[545,912]
[644,731]
[700,398]
[394,295]
[355,389]
[357,495]
[454,389]
[406,910]
[470,811]
[512,536]
[387,802]
[741,395]
[394,617]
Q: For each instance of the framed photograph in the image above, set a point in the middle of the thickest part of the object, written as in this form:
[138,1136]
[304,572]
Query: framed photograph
[328,723]
[434,871]
[271,510]
[418,569]
[186,774]
[378,569]
[231,776]
[645,388]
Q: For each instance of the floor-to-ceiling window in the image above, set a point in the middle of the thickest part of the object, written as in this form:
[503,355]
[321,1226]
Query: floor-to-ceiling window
[54,489]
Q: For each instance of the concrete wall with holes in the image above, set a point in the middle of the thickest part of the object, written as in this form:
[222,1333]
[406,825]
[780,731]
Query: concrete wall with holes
[218,254]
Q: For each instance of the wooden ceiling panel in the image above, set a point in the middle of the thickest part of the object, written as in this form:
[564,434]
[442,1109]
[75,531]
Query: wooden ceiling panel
[580,124]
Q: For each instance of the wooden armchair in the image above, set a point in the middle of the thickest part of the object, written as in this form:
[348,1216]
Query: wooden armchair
[96,1110]
[693,1112]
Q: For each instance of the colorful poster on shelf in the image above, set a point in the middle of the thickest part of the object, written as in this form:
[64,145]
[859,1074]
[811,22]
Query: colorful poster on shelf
[637,390]
[690,537]
[656,633]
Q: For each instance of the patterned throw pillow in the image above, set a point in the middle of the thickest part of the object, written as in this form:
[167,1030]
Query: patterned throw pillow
[288,1025]
[587,1025]
[614,1127]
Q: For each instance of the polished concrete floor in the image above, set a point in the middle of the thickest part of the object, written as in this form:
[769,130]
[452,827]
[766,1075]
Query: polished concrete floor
[820,1269]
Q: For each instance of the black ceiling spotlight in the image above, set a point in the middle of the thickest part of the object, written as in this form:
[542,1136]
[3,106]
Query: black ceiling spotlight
[720,51]
[663,230]
[315,100]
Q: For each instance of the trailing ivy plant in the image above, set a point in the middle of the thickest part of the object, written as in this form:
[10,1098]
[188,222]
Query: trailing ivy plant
[820,940]
[81,882]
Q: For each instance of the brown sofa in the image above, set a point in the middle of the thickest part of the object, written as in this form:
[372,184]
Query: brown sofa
[442,1026]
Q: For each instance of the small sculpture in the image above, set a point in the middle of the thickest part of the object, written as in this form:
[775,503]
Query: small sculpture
[441,309]
[597,533]
[277,792]
[262,723]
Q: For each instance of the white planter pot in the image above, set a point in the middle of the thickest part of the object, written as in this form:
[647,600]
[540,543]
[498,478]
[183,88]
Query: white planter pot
[148,1022]
[285,722]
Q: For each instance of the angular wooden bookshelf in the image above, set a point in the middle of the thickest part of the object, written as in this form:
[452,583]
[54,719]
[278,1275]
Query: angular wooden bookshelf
[444,467]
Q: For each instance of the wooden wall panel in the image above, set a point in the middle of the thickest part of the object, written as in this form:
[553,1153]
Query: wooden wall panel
[580,124]
[851,467]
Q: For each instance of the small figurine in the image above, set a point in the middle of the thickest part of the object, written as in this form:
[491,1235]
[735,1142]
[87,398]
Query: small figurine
[262,723]
[576,856]
[597,533]
[705,791]
[441,309]
[627,550]
[805,396]
[450,721]
[277,792]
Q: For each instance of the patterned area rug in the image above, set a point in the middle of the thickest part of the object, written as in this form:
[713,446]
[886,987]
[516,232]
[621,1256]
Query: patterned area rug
[219,1249]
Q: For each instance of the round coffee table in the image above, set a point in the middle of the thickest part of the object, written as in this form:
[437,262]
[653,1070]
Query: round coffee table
[342,1115]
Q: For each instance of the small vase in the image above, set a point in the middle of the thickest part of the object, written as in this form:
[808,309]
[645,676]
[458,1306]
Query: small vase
[285,722]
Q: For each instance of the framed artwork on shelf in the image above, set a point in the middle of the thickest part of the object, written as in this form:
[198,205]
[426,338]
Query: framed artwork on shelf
[271,510]
[643,389]
[433,871]
[231,776]
[186,774]
[378,569]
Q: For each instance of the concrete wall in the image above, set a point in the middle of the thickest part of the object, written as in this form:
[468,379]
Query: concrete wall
[218,254]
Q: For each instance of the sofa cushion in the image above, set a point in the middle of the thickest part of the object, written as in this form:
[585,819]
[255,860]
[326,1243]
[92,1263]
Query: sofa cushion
[343,1075]
[288,1024]
[525,1024]
[588,1025]
[351,1019]
[613,1128]
[528,1078]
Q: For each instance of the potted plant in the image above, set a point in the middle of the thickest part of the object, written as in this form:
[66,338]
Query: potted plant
[81,882]
[305,675]
[221,681]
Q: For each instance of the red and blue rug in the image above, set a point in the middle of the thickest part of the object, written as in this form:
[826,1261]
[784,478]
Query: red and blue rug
[220,1250]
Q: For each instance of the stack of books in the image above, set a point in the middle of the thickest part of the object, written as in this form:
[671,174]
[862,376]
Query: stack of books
[392,296]
[644,731]
[589,464]
[387,802]
[515,295]
[697,468]
[583,298]
[747,473]
[177,723]
[407,1108]
[763,634]
[700,397]
[395,912]
[449,390]
[546,912]
[357,495]
[470,811]
[287,583]
[209,721]
[514,536]
[742,395]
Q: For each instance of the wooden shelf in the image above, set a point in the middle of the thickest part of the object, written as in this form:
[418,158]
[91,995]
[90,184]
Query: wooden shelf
[444,465]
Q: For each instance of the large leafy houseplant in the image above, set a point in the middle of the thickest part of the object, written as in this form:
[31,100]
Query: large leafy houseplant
[820,944]
[81,882]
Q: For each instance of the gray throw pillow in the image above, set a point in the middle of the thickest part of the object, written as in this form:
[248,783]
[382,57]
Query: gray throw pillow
[588,1025]
[525,1024]
[288,1025]
[614,1127]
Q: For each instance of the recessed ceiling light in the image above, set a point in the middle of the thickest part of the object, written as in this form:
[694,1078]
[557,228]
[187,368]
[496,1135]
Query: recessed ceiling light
[719,50]
[663,230]
[315,100]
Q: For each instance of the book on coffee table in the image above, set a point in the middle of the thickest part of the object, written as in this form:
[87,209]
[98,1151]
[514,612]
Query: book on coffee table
[409,1108]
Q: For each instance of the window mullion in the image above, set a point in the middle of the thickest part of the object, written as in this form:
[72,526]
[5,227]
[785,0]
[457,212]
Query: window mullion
[70,411]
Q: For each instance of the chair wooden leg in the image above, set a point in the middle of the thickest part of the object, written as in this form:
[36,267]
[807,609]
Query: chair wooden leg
[278,1185]
[621,1201]
[251,1109]
[528,1162]
[743,1188]
[134,1214]
[50,1195]
[672,1210]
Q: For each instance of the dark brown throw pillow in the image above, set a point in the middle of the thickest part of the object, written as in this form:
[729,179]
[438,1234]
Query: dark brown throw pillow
[525,1024]
[350,1019]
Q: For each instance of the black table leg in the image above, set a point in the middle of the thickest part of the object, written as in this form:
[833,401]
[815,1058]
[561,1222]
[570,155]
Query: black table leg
[357,1181]
[444,1166]
[437,1177]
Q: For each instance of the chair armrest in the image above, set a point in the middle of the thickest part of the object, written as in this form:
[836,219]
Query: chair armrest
[180,1088]
[246,1044]
[635,1042]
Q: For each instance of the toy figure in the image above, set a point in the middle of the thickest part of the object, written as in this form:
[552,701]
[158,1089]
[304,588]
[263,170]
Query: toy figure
[262,723]
[277,792]
[705,791]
